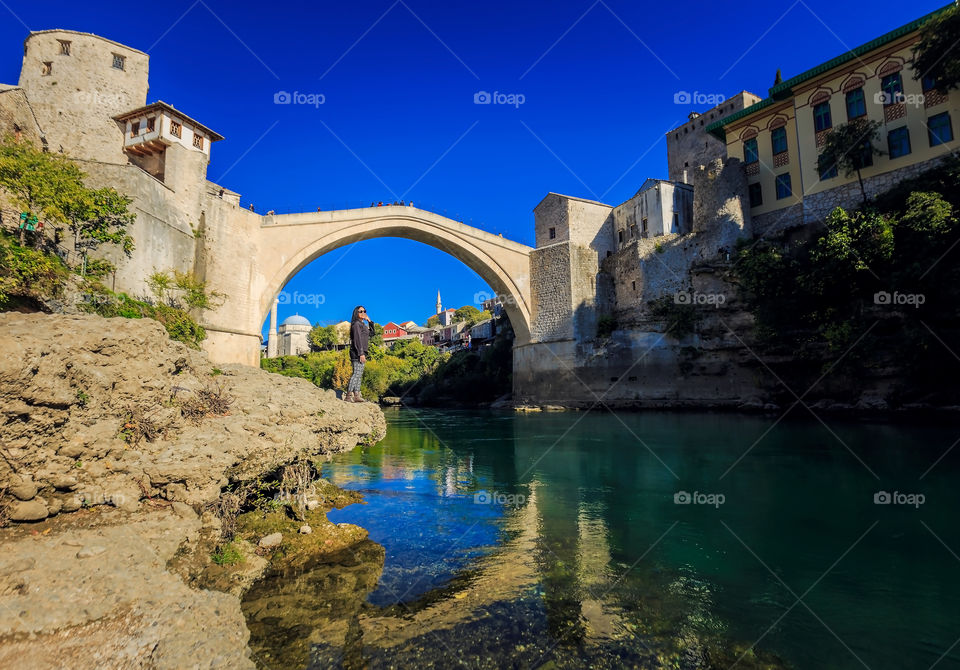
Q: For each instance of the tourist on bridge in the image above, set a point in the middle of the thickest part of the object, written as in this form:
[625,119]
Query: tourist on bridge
[360,334]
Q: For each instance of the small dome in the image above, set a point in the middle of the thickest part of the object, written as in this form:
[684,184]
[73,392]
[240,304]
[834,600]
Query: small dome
[296,320]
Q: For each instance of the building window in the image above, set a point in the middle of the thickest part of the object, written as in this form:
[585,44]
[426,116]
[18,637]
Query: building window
[829,173]
[64,47]
[47,69]
[197,140]
[939,129]
[750,152]
[634,285]
[134,129]
[929,83]
[898,141]
[676,221]
[175,129]
[119,62]
[151,124]
[892,87]
[783,186]
[620,236]
[856,105]
[552,233]
[643,227]
[821,117]
[779,139]
[756,194]
[633,231]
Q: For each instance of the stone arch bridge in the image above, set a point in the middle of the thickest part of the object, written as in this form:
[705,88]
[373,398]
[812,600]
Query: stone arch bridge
[253,269]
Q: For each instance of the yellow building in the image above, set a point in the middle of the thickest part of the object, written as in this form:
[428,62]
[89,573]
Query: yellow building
[780,137]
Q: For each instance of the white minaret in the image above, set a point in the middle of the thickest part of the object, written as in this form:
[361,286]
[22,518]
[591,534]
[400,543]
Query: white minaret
[439,306]
[272,336]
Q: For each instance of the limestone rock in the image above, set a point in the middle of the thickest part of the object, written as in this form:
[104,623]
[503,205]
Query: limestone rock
[272,540]
[305,530]
[91,551]
[131,364]
[26,490]
[31,510]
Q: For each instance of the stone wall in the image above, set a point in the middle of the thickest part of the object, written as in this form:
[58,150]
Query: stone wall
[76,101]
[690,146]
[551,293]
[774,223]
[16,117]
[816,207]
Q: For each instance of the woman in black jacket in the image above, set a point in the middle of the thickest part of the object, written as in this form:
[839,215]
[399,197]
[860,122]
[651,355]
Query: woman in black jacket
[361,330]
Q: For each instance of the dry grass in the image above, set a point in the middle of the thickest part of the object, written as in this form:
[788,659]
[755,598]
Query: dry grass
[207,402]
[142,424]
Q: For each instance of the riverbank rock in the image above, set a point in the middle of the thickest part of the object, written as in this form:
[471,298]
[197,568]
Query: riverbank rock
[111,411]
[110,602]
[113,440]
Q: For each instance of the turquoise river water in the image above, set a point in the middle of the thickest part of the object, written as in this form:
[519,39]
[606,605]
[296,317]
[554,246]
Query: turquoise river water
[633,540]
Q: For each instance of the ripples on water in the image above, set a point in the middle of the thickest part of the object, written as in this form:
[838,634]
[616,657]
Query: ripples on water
[554,541]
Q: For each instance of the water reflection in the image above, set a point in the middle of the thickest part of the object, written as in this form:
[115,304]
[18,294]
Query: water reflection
[592,563]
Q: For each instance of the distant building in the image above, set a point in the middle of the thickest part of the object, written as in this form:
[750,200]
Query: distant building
[292,336]
[660,207]
[393,331]
[482,331]
[446,316]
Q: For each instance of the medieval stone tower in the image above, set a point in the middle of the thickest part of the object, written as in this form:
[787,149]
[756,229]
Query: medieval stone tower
[76,84]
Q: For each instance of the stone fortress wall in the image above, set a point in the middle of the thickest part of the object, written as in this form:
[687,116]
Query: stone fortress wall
[690,146]
[71,86]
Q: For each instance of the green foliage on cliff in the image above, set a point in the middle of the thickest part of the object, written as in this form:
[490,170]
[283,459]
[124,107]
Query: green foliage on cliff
[180,326]
[680,319]
[27,275]
[183,290]
[884,278]
[50,187]
[935,55]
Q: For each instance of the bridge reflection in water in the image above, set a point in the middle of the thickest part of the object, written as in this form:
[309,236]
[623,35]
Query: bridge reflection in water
[467,584]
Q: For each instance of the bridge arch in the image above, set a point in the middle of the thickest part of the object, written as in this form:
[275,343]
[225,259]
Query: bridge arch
[288,243]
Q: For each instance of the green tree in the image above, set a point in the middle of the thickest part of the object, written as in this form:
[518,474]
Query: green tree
[850,147]
[470,314]
[96,217]
[936,55]
[179,289]
[37,182]
[322,338]
[433,321]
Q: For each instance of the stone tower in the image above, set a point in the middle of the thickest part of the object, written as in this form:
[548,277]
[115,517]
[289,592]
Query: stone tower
[439,305]
[77,83]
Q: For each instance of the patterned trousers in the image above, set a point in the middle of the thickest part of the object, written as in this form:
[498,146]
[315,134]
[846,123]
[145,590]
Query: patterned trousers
[354,384]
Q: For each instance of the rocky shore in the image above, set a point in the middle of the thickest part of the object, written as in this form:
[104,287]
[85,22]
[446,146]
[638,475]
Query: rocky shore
[116,445]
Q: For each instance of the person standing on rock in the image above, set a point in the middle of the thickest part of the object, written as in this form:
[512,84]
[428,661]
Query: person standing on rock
[361,330]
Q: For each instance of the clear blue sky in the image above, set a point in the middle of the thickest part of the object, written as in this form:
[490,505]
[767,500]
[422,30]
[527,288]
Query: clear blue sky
[399,119]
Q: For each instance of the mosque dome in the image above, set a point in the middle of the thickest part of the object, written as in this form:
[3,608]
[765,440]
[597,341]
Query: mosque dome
[296,320]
